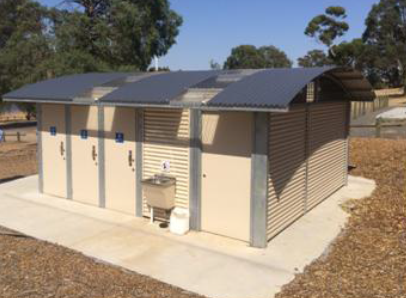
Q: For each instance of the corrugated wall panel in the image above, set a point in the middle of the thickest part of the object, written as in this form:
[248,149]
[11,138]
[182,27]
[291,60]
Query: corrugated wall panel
[166,137]
[327,148]
[287,168]
[305,144]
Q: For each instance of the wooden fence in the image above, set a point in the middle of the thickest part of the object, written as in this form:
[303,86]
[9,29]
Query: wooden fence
[359,109]
[379,126]
[18,135]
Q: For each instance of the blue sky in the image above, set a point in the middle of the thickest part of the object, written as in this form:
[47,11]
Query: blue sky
[213,27]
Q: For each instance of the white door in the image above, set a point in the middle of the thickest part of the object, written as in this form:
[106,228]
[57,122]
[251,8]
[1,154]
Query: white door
[85,175]
[120,126]
[53,134]
[226,174]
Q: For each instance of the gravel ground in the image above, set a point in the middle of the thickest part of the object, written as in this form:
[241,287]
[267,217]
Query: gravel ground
[369,258]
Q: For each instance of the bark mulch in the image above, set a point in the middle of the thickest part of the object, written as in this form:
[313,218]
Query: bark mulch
[369,258]
[36,269]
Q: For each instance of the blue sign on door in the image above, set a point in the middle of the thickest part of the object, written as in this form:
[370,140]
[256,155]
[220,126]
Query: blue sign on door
[83,134]
[119,137]
[52,130]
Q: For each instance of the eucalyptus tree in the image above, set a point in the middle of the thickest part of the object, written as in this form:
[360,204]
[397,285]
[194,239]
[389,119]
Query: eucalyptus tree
[249,56]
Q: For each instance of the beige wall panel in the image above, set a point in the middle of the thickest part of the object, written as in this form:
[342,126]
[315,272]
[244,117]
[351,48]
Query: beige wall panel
[54,150]
[287,169]
[166,138]
[226,168]
[120,159]
[85,176]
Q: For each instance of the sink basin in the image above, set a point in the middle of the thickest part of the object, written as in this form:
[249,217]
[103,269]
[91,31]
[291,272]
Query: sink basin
[159,192]
[160,180]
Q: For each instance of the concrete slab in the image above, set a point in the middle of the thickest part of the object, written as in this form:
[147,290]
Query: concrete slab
[206,264]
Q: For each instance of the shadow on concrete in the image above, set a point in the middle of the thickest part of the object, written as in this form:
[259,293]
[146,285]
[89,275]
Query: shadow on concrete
[5,180]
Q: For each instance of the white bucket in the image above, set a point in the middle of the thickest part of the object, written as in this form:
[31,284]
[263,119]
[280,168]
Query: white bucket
[179,222]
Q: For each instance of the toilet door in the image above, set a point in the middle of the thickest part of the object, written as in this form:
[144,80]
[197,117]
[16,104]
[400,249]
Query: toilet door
[120,155]
[85,173]
[53,134]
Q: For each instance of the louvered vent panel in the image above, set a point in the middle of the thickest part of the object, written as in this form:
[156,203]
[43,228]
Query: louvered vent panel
[166,135]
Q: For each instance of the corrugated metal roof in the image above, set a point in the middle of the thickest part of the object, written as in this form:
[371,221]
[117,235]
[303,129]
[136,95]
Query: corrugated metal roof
[158,89]
[276,88]
[243,89]
[64,88]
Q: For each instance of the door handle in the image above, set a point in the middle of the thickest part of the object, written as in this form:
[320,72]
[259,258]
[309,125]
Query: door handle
[94,153]
[130,158]
[62,149]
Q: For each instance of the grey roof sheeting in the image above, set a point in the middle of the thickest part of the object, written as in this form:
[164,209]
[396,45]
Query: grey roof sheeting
[158,89]
[276,88]
[267,89]
[64,88]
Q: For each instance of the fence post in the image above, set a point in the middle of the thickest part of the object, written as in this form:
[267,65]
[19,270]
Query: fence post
[18,137]
[378,127]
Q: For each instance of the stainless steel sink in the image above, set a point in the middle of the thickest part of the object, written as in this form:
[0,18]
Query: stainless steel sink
[159,191]
[160,180]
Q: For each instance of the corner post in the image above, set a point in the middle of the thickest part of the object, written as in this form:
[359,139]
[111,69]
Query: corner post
[138,161]
[195,170]
[259,181]
[347,141]
[101,156]
[68,124]
[39,149]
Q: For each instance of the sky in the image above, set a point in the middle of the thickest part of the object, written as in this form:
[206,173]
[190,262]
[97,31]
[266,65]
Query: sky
[211,28]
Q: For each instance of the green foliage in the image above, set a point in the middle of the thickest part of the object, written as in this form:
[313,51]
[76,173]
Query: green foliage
[118,32]
[81,36]
[385,35]
[326,28]
[24,43]
[380,54]
[248,56]
[315,58]
[350,54]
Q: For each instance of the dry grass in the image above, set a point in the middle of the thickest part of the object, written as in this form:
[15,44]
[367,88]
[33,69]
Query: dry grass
[389,92]
[17,159]
[6,117]
[397,101]
[369,258]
